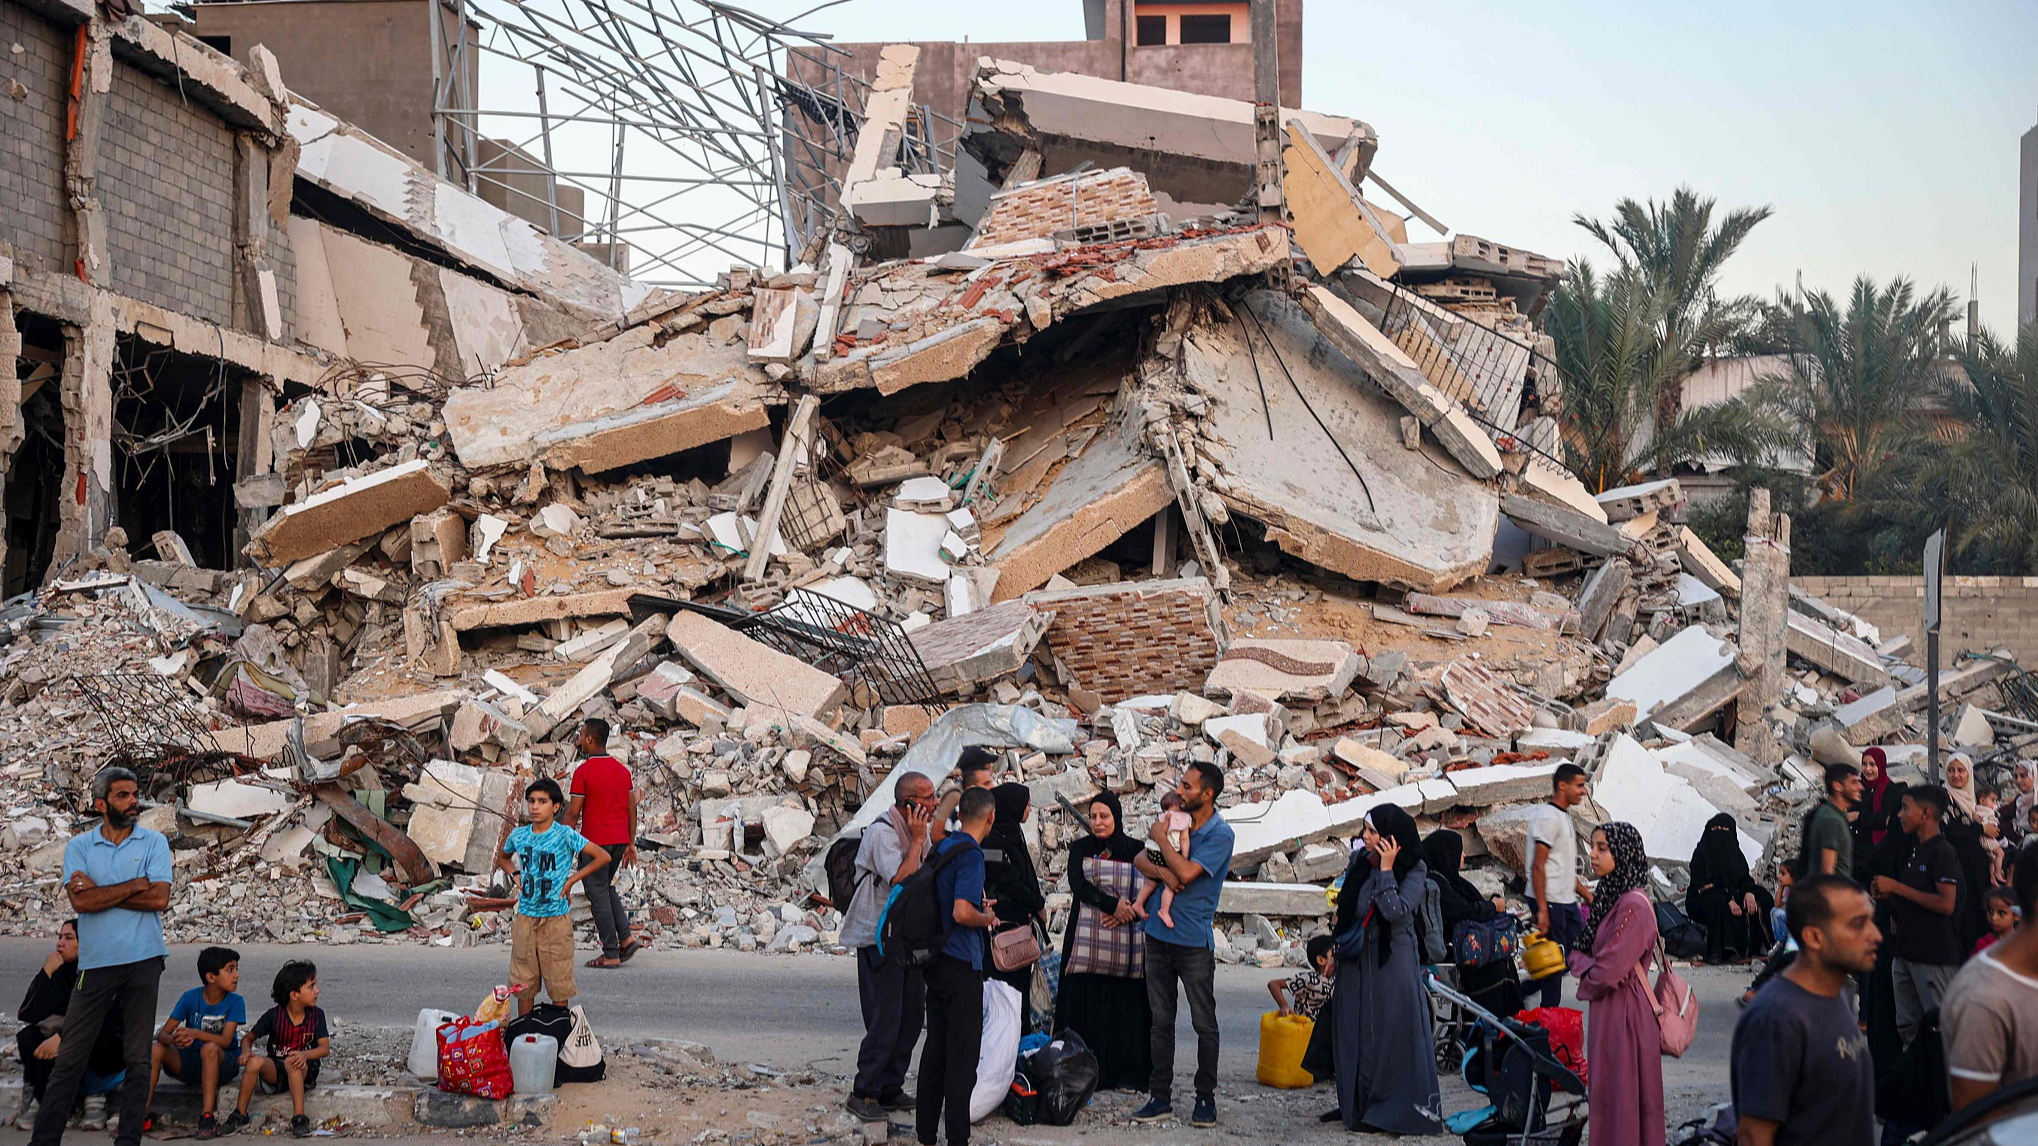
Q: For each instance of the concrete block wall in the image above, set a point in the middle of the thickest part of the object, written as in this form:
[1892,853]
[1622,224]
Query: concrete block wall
[166,170]
[1980,613]
[1037,211]
[33,215]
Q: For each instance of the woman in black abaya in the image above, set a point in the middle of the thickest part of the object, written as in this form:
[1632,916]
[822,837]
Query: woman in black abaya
[1493,986]
[1724,897]
[1009,875]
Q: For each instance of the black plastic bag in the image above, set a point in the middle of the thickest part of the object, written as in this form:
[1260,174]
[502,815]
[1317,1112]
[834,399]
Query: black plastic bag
[1064,1077]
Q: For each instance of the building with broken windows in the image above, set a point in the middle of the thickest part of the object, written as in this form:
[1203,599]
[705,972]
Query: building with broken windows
[1133,426]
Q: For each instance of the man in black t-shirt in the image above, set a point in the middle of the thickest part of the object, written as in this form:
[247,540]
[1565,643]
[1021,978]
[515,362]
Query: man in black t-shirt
[1801,1072]
[1922,902]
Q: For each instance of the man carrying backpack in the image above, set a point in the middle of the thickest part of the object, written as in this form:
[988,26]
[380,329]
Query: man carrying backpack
[892,993]
[955,977]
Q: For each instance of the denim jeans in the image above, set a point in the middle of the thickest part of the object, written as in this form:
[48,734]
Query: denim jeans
[130,988]
[1196,969]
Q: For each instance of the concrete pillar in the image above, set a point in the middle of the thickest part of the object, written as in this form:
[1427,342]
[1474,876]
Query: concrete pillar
[87,111]
[11,428]
[258,309]
[252,458]
[85,511]
[1765,606]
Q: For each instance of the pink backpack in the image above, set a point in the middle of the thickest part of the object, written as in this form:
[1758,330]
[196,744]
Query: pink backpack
[1675,1004]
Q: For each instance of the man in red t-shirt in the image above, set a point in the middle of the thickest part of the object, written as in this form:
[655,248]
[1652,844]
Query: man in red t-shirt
[603,807]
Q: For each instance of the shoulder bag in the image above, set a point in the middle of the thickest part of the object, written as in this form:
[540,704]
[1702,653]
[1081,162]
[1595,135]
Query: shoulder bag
[1675,1004]
[1015,947]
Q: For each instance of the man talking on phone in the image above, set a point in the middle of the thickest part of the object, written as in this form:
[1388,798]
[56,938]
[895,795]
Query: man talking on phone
[893,997]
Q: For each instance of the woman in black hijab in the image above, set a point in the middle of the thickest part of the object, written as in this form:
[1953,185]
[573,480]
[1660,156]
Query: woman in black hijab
[1386,1059]
[1724,898]
[1009,877]
[1109,1011]
[1493,986]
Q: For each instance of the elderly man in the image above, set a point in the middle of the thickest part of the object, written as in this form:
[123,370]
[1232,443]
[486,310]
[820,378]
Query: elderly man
[893,996]
[118,878]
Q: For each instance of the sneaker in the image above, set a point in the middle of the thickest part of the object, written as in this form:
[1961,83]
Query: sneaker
[1154,1110]
[208,1126]
[1205,1113]
[24,1119]
[868,1109]
[234,1124]
[903,1100]
[94,1116]
[300,1126]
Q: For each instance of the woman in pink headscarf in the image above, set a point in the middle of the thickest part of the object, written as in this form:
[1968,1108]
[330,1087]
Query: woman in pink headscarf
[1876,818]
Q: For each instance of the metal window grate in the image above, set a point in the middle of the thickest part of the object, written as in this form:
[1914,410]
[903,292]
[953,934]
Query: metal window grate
[145,713]
[863,649]
[1493,376]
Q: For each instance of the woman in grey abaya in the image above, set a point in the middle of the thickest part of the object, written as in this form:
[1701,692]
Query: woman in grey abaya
[1386,1060]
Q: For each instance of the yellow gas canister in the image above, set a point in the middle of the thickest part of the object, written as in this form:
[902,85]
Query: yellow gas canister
[1541,955]
[1283,1040]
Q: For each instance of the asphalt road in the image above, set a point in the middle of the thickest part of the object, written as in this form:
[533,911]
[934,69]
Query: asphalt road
[789,1010]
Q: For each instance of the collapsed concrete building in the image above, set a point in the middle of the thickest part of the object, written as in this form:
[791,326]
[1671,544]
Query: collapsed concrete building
[1172,445]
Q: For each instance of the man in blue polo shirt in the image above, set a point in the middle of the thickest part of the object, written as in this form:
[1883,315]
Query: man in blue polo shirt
[1185,951]
[118,878]
[955,980]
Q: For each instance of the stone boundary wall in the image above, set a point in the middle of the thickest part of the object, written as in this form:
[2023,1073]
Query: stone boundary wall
[1981,613]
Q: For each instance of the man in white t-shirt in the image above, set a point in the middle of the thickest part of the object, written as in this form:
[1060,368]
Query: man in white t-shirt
[1554,887]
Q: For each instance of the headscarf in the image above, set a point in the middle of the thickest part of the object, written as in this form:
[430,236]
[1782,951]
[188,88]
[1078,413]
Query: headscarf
[1963,795]
[1880,794]
[1630,873]
[2025,799]
[1719,856]
[1117,846]
[1011,801]
[1444,851]
[1395,824]
[1008,838]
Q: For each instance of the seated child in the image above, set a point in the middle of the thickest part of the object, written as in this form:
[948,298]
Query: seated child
[1311,987]
[298,1038]
[200,1045]
[2001,903]
[1178,824]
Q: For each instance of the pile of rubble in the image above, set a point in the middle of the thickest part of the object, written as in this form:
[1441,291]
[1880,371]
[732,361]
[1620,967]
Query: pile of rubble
[1107,490]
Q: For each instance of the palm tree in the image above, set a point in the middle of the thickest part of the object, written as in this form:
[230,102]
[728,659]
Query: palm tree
[1985,480]
[1856,377]
[1616,362]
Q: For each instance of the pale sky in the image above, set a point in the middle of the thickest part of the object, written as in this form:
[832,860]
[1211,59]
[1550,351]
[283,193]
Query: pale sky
[1884,134]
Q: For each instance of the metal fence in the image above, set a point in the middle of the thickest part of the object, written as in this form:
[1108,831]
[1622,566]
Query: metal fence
[1493,376]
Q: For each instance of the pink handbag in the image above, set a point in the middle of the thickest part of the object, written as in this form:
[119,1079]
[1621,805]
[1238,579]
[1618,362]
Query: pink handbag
[1675,1004]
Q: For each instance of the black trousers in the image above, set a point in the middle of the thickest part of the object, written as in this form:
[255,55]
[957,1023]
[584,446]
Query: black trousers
[955,1037]
[1196,969]
[128,990]
[611,918]
[894,1002]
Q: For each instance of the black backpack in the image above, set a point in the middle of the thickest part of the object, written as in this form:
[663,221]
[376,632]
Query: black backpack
[549,1019]
[913,926]
[840,864]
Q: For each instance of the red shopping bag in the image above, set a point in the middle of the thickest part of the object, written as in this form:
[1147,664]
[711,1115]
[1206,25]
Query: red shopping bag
[1567,1034]
[473,1059]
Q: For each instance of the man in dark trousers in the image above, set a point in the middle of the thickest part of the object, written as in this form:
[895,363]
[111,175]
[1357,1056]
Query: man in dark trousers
[603,807]
[118,879]
[1801,1072]
[1185,951]
[955,981]
[1923,901]
[892,995]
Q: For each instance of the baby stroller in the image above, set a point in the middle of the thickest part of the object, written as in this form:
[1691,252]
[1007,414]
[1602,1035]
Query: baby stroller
[1534,1100]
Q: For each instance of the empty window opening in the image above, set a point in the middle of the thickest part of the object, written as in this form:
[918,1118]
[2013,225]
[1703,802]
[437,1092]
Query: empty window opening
[35,471]
[1206,29]
[176,421]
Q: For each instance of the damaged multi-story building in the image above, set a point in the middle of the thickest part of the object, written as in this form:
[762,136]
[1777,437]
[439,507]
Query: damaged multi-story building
[1113,415]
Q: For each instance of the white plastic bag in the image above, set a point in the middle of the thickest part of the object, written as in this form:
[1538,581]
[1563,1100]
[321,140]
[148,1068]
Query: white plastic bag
[424,1044]
[998,1060]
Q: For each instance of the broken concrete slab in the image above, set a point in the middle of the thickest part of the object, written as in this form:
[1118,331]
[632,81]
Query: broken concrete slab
[1971,728]
[1563,525]
[537,610]
[1136,638]
[1095,500]
[1376,769]
[1333,224]
[1372,510]
[1631,501]
[566,699]
[1699,561]
[1876,716]
[1961,681]
[979,646]
[1681,667]
[753,673]
[1596,599]
[266,741]
[354,509]
[1487,700]
[1279,900]
[1834,651]
[1632,785]
[1284,669]
[913,546]
[1391,367]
